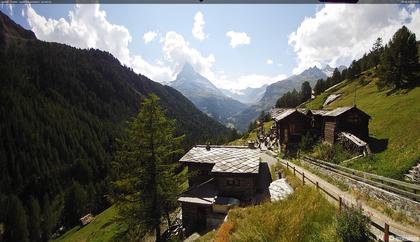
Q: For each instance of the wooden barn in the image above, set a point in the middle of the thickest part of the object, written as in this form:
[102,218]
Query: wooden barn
[348,125]
[345,119]
[291,124]
[219,177]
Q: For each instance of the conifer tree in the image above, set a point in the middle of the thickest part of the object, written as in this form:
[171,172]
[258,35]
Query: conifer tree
[400,61]
[376,52]
[16,224]
[147,185]
[34,223]
[305,91]
[319,87]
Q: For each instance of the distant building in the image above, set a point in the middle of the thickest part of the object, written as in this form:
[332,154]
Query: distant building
[291,125]
[220,177]
[329,125]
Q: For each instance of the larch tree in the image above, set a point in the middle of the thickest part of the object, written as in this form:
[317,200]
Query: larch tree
[305,91]
[148,179]
[399,66]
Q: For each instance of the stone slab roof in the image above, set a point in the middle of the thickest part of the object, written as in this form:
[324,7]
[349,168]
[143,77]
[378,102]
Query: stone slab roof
[205,195]
[280,113]
[337,111]
[226,159]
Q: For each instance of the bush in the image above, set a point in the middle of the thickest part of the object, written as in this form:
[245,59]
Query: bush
[352,225]
[307,141]
[331,153]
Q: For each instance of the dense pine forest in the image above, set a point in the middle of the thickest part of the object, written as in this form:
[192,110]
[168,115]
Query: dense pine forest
[61,110]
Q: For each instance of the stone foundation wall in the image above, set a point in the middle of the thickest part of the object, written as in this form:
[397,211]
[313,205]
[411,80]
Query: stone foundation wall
[400,204]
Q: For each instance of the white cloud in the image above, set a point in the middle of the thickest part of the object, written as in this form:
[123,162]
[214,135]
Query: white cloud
[339,33]
[10,9]
[88,27]
[255,80]
[269,61]
[149,36]
[238,38]
[177,51]
[198,26]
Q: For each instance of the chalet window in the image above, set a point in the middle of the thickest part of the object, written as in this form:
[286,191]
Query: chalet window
[233,182]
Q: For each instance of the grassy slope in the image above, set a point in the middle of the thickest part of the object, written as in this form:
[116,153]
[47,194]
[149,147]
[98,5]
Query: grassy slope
[303,216]
[395,117]
[103,228]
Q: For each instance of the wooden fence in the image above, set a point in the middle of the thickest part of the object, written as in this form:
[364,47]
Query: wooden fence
[405,189]
[342,203]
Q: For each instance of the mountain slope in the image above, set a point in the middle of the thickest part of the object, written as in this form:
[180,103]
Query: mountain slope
[275,91]
[249,95]
[394,127]
[207,97]
[61,109]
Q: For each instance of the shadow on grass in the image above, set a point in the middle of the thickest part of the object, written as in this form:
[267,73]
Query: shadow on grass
[377,145]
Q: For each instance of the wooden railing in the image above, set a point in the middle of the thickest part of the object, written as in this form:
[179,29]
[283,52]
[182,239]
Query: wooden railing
[385,228]
[405,189]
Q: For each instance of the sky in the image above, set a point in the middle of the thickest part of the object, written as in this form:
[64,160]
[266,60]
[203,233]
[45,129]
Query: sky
[234,46]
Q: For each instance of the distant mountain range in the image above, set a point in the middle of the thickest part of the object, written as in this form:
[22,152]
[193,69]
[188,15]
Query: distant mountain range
[276,90]
[206,96]
[249,95]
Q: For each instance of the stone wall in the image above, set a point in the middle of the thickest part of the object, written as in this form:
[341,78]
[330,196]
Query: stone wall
[400,204]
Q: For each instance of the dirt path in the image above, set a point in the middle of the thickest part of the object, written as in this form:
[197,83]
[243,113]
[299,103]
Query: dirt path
[405,231]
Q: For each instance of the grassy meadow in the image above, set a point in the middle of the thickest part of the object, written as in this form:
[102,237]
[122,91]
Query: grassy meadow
[394,128]
[103,228]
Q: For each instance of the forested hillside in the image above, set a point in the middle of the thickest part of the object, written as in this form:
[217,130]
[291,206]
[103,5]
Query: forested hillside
[61,109]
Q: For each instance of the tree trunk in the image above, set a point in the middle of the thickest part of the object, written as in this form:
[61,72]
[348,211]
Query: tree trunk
[157,231]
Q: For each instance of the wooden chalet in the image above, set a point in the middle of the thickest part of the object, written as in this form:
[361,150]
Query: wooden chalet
[220,177]
[332,126]
[345,119]
[291,125]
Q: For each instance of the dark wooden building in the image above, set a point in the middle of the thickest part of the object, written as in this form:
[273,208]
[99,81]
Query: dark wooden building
[218,175]
[291,125]
[328,125]
[345,119]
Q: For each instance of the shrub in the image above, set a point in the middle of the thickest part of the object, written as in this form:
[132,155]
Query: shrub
[352,225]
[330,153]
[307,141]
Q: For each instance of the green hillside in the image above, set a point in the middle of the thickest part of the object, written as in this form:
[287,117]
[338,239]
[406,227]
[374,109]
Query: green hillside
[102,228]
[394,127]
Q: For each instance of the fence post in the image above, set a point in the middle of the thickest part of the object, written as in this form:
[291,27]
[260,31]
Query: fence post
[340,201]
[294,170]
[386,233]
[303,178]
[317,186]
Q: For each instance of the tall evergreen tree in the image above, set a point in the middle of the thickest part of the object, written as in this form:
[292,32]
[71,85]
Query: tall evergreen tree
[400,61]
[34,223]
[319,86]
[16,224]
[305,91]
[147,185]
[376,53]
[75,204]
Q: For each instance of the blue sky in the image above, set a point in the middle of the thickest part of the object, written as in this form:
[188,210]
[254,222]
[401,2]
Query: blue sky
[273,41]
